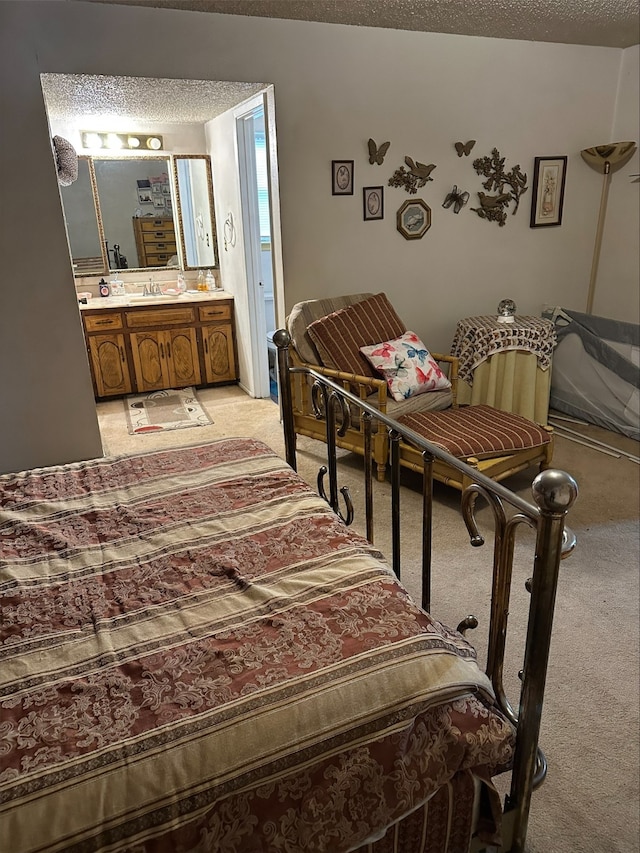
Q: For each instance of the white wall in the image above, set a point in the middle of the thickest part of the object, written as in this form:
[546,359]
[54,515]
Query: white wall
[335,86]
[618,283]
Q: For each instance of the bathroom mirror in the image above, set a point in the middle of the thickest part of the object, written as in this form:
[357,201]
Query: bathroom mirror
[126,213]
[194,197]
[135,202]
[82,218]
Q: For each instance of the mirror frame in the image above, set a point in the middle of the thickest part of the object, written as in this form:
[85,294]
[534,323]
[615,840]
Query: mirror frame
[104,270]
[178,225]
[212,212]
[133,158]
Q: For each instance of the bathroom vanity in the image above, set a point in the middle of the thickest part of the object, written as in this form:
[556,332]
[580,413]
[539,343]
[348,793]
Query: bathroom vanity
[141,344]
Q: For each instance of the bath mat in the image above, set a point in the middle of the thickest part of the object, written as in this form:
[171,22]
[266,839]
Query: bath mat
[158,411]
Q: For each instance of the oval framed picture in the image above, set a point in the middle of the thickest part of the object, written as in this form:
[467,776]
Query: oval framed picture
[414,219]
[342,177]
[373,203]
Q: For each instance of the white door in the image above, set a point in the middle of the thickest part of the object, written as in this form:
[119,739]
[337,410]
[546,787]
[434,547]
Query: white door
[255,194]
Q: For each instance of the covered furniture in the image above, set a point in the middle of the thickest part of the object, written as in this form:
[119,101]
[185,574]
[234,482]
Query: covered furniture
[596,370]
[505,365]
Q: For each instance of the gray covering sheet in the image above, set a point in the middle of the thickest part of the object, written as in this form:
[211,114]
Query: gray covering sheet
[596,370]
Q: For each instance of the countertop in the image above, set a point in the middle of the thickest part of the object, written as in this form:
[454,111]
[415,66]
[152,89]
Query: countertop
[136,300]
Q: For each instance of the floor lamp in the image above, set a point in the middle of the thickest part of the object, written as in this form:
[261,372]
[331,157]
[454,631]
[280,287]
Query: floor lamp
[604,159]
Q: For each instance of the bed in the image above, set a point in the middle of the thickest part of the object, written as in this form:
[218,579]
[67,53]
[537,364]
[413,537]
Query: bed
[198,654]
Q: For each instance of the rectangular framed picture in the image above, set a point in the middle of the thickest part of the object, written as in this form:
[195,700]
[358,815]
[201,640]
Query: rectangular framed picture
[373,203]
[144,196]
[549,175]
[342,177]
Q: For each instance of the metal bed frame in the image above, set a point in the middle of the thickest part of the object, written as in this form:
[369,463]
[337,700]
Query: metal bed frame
[554,492]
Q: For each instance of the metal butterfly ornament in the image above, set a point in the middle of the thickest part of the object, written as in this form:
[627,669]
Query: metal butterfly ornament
[465,147]
[376,155]
[457,199]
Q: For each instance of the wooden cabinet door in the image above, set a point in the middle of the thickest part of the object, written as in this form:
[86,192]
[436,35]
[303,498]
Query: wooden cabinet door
[150,361]
[181,347]
[219,358]
[110,366]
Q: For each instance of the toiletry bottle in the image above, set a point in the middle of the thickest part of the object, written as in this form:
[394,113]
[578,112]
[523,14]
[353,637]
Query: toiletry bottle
[202,284]
[181,285]
[210,281]
[104,288]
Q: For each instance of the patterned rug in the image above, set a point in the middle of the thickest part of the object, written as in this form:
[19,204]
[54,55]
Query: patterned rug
[164,410]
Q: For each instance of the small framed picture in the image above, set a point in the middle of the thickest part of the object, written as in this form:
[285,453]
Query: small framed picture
[156,189]
[548,191]
[144,196]
[342,177]
[158,201]
[413,219]
[373,203]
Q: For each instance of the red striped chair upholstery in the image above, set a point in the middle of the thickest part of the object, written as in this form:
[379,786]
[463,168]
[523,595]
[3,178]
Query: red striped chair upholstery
[494,442]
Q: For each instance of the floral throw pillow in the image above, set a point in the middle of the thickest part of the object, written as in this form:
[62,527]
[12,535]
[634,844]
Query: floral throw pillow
[407,366]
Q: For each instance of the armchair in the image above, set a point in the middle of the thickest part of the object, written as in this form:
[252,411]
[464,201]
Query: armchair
[332,348]
[328,334]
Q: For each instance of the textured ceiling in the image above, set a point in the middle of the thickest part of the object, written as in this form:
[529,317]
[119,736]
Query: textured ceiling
[608,23]
[73,96]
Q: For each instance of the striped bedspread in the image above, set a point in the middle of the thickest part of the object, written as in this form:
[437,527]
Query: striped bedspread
[197,655]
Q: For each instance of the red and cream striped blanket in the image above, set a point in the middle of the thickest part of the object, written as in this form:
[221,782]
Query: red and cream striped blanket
[197,655]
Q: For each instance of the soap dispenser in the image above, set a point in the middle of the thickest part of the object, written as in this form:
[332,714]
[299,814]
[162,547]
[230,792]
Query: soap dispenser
[210,281]
[202,285]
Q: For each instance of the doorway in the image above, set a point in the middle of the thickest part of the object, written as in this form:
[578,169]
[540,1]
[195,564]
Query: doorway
[257,218]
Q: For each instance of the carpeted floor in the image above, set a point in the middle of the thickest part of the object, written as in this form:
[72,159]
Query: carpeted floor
[590,725]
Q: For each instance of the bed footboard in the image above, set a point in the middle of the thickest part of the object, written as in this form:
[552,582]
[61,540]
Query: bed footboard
[553,492]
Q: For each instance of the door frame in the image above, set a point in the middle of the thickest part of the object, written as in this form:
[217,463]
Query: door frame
[251,230]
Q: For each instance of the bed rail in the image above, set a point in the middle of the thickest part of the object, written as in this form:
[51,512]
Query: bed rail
[554,492]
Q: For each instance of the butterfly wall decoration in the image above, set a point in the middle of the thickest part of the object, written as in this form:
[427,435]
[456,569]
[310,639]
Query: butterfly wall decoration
[457,199]
[376,154]
[465,147]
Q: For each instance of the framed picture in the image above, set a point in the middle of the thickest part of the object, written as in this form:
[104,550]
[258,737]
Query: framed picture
[414,219]
[158,201]
[373,203]
[548,191]
[342,177]
[144,196]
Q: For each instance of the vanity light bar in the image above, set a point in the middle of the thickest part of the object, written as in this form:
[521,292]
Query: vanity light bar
[119,141]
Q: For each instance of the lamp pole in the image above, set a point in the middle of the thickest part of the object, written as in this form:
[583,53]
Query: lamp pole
[602,158]
[599,231]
